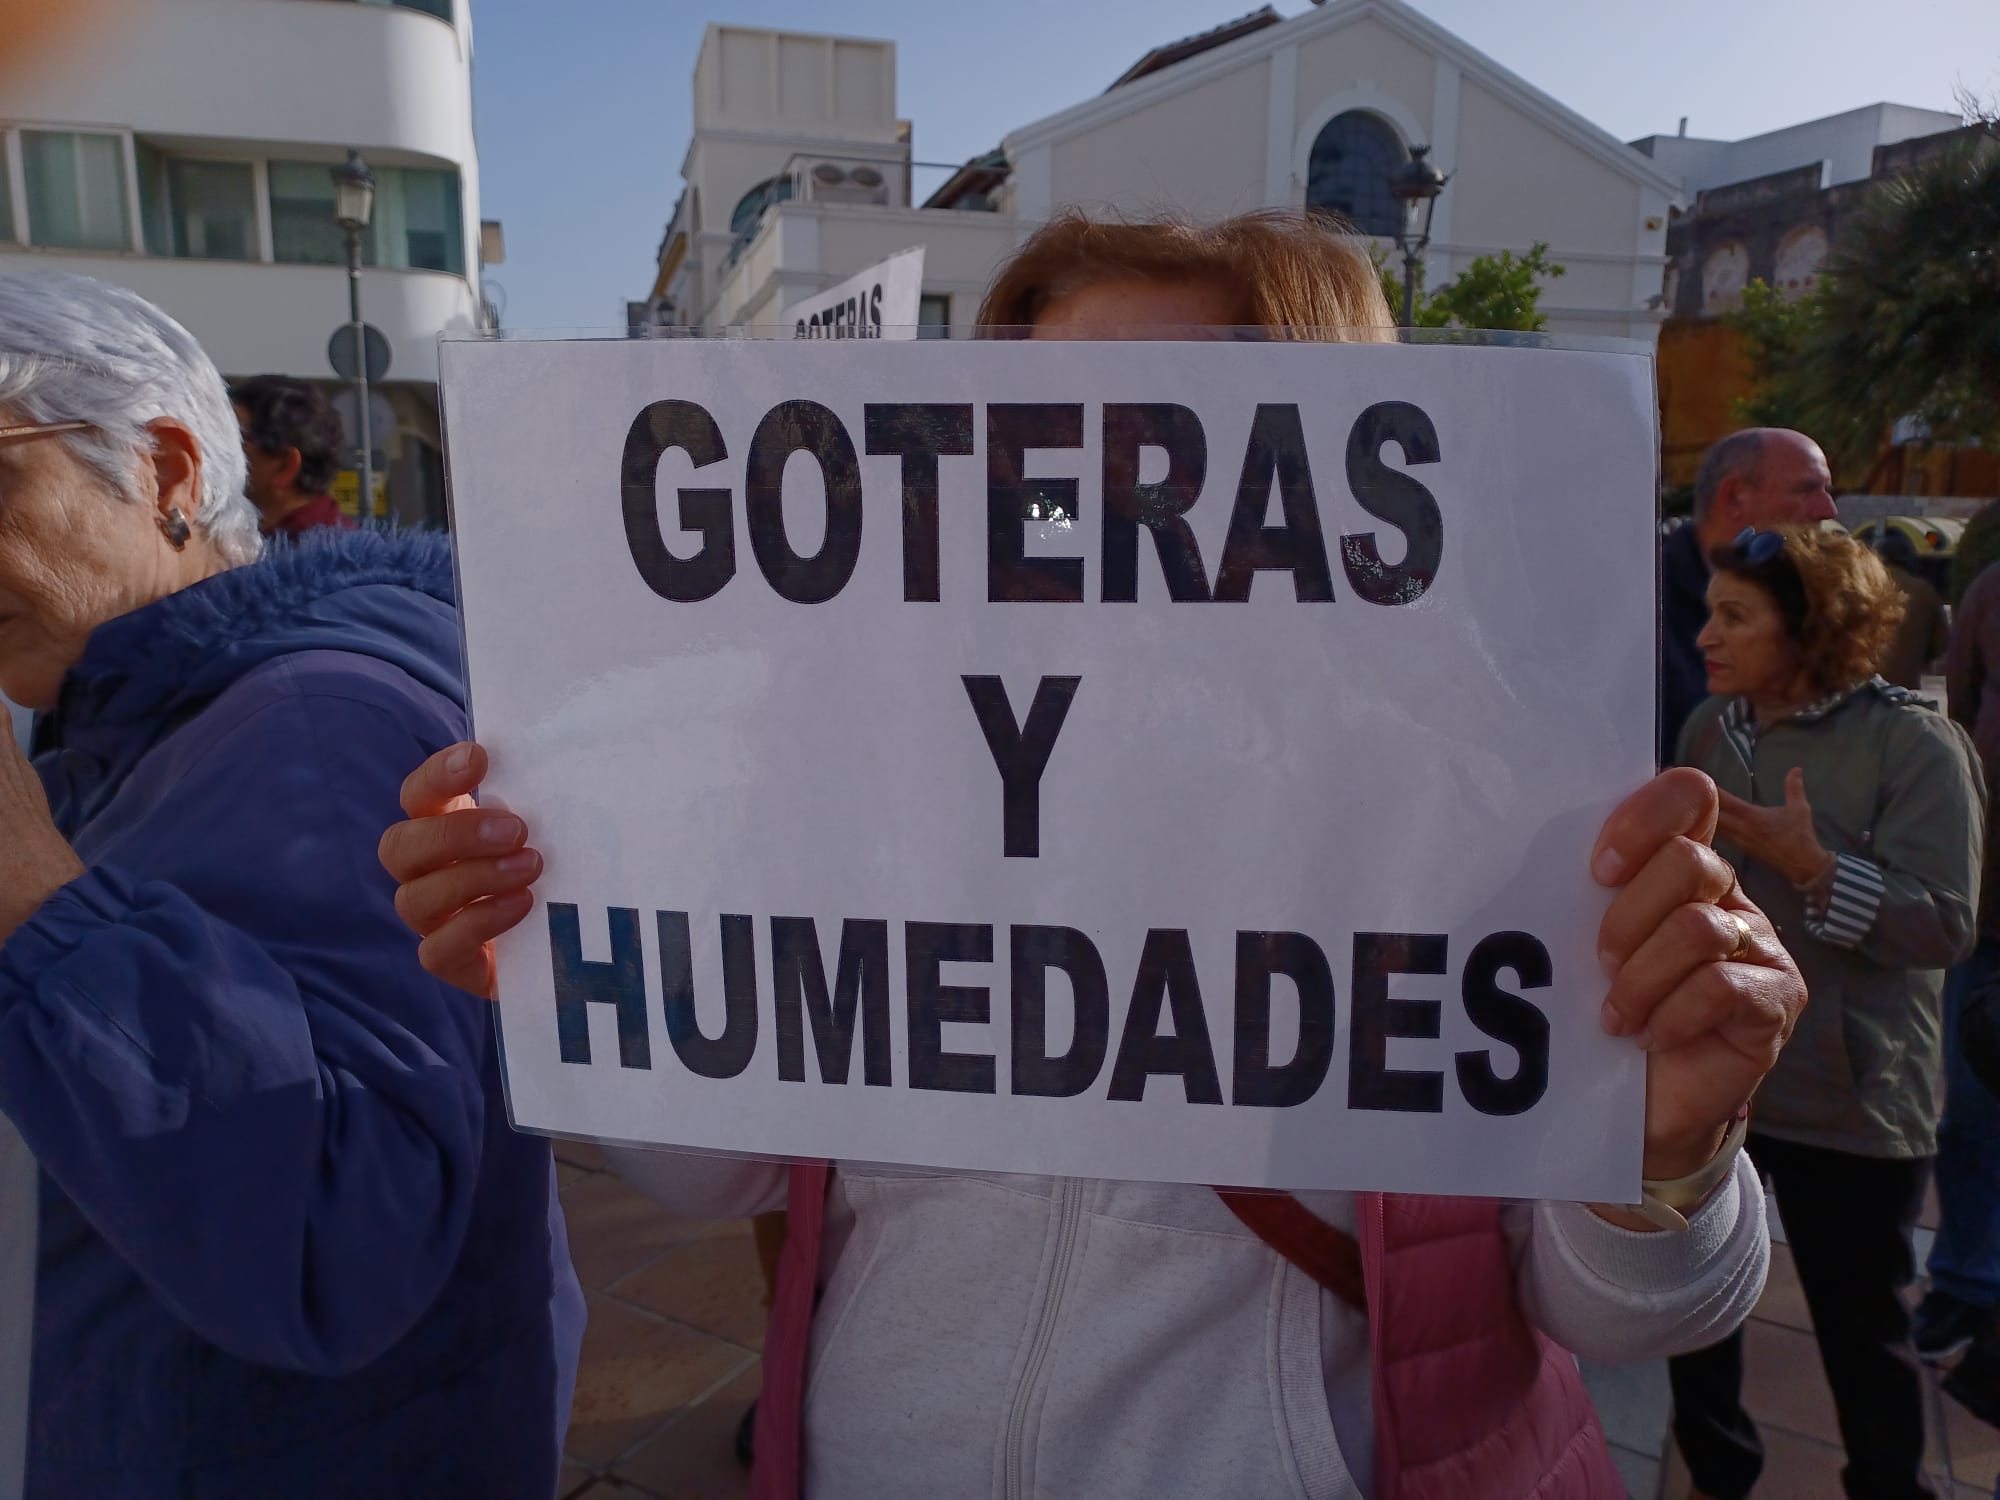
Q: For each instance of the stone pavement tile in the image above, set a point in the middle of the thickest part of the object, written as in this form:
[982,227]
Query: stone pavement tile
[638,1373]
[615,1229]
[585,1154]
[714,1284]
[1640,1473]
[573,1478]
[695,1458]
[612,1489]
[1784,1301]
[1633,1402]
[1783,1385]
[568,1175]
[1975,1447]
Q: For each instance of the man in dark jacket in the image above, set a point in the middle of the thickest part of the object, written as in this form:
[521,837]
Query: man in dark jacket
[1762,476]
[1963,1304]
[291,442]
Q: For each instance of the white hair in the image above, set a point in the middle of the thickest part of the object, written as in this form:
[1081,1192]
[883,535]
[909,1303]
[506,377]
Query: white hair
[75,349]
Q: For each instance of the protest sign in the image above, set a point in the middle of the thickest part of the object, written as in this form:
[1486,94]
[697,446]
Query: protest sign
[1140,760]
[880,302]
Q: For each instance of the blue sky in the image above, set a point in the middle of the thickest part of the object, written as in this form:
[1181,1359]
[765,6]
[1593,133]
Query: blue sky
[584,112]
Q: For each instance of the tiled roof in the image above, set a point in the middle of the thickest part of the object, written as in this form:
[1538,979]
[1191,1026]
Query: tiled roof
[1193,46]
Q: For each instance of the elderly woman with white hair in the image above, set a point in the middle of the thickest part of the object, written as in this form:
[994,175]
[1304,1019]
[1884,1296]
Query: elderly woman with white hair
[288,1245]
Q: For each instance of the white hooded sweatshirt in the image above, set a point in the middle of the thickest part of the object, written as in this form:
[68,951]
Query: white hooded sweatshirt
[981,1334]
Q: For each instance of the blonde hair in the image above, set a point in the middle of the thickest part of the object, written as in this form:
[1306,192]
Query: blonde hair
[1289,271]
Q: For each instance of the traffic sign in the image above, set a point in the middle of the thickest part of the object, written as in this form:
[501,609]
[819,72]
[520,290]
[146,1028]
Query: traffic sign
[340,351]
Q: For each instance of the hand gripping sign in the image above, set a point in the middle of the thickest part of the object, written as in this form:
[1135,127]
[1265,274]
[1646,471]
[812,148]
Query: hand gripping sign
[1142,760]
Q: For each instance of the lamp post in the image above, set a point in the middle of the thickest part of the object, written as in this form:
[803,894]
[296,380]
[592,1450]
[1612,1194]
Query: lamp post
[1415,186]
[353,206]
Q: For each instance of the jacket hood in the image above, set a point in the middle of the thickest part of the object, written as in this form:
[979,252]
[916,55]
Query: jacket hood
[389,595]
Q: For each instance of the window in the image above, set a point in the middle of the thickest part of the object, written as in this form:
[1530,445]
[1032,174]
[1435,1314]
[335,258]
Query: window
[76,190]
[302,227]
[206,210]
[1800,255]
[417,223]
[439,8]
[749,210]
[934,316]
[1724,274]
[1353,159]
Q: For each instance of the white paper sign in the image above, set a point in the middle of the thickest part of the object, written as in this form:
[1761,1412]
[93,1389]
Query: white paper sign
[1285,880]
[880,302]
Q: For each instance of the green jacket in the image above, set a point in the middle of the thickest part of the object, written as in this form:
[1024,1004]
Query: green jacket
[1898,797]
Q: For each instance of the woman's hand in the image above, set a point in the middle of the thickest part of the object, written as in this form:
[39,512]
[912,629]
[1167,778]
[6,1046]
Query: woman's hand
[1780,837]
[39,859]
[462,872]
[1698,978]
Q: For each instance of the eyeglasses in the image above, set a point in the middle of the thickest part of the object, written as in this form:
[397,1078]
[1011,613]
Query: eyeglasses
[28,431]
[1755,548]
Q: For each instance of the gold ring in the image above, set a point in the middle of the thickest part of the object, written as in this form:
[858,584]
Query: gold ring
[1745,940]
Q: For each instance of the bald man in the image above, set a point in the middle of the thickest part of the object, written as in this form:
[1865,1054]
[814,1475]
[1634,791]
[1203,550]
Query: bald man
[1761,476]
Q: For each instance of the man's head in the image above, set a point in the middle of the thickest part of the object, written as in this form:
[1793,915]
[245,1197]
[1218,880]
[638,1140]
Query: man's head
[1762,477]
[291,439]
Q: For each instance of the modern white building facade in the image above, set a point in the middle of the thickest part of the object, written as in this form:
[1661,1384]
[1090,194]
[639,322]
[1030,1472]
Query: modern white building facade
[185,152]
[1842,146]
[800,173]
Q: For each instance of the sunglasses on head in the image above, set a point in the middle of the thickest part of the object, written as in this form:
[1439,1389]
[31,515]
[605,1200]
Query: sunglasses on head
[1755,548]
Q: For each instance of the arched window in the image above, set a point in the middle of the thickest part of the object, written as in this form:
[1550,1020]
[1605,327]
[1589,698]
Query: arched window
[750,207]
[1353,159]
[1800,254]
[1723,276]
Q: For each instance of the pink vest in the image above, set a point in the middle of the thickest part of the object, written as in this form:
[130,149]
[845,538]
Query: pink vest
[1469,1400]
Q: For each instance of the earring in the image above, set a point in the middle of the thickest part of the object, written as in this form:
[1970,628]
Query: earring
[174,526]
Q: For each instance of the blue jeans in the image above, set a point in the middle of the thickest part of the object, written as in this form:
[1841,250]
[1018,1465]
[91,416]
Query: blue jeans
[1965,1261]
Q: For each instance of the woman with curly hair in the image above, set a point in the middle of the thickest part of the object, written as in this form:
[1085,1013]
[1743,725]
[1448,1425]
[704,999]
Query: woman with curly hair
[1853,812]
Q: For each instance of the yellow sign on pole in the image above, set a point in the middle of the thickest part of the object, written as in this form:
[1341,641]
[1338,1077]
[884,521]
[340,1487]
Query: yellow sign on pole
[347,490]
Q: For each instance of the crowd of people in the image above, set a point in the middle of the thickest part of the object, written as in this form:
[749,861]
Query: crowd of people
[1855,814]
[283,1241]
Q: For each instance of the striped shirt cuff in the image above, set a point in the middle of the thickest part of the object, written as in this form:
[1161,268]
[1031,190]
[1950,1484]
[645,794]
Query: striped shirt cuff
[1846,914]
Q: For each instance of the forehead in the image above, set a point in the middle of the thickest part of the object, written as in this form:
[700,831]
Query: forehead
[1788,453]
[1137,303]
[1732,588]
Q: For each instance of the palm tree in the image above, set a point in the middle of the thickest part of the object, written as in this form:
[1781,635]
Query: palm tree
[1907,321]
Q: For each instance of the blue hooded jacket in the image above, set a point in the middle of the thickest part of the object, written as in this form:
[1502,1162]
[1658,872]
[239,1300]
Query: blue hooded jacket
[289,1245]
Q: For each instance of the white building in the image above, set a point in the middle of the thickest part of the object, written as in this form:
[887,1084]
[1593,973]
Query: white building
[800,172]
[184,151]
[1842,146]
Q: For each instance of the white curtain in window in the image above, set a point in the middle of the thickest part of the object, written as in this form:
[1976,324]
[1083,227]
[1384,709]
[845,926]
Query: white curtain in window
[76,190]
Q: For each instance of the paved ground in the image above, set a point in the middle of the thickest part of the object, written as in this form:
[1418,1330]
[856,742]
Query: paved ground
[677,1317]
[1788,1395]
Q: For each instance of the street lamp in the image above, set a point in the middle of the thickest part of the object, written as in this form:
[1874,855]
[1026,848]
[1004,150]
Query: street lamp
[353,206]
[1415,186]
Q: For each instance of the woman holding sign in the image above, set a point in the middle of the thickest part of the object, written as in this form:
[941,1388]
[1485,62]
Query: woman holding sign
[973,1333]
[1853,811]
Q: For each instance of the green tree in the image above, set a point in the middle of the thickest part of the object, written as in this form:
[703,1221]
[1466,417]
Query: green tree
[1775,330]
[1494,291]
[1906,320]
